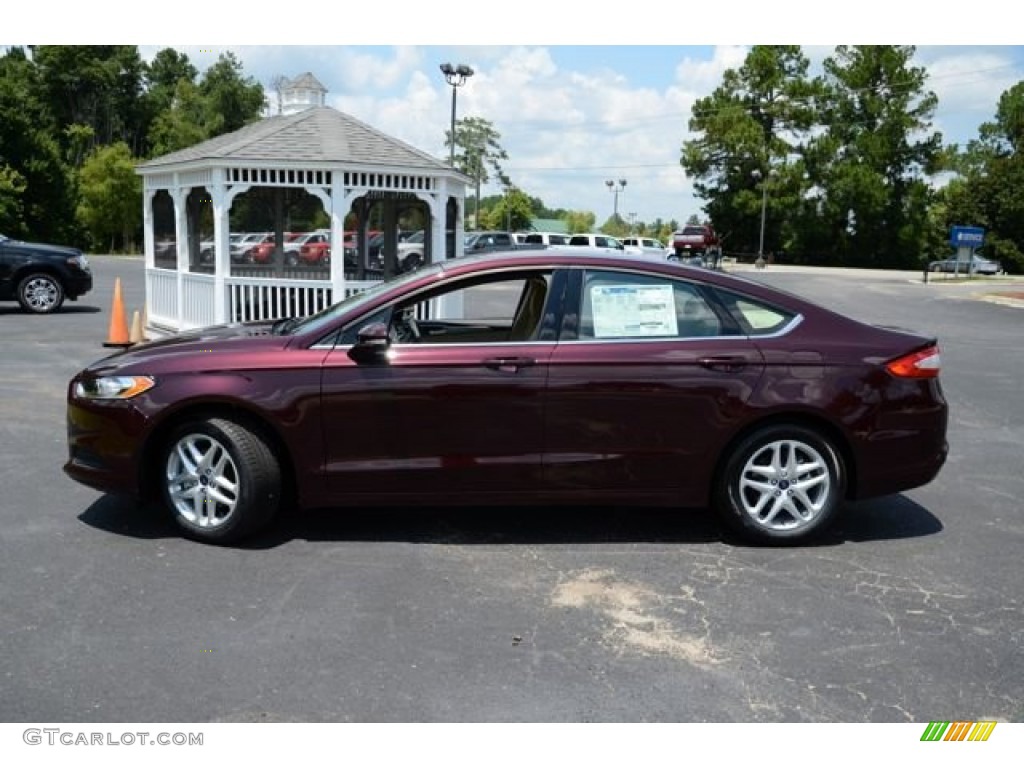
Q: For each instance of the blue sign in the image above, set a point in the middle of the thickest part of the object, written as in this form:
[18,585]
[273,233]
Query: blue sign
[966,237]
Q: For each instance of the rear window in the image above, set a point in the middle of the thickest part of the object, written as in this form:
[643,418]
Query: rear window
[756,317]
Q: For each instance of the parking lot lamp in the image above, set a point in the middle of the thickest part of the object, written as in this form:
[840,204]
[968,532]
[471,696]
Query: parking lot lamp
[616,188]
[758,176]
[456,77]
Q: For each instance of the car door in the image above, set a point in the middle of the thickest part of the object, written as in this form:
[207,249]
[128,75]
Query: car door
[455,411]
[644,385]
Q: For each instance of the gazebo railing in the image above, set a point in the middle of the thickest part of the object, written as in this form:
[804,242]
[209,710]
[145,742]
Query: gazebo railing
[197,301]
[247,298]
[162,297]
[252,298]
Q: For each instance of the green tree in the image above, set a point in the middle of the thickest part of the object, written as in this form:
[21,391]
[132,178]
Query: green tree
[222,102]
[110,201]
[35,169]
[511,212]
[94,85]
[752,126]
[12,187]
[989,190]
[579,221]
[232,100]
[870,165]
[478,152]
[183,124]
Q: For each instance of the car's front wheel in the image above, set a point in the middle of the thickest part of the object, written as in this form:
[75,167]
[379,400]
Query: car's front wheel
[781,484]
[40,293]
[220,479]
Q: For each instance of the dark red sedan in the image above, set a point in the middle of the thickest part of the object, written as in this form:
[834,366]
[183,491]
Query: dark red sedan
[552,377]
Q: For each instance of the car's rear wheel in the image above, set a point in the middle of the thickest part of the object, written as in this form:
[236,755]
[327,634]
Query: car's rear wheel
[781,484]
[40,293]
[220,480]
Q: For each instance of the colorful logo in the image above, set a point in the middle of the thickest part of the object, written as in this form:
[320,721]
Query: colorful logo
[958,731]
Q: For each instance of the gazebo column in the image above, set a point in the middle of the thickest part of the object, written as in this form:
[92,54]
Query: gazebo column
[179,196]
[341,203]
[221,244]
[437,203]
[460,223]
[390,218]
[148,238]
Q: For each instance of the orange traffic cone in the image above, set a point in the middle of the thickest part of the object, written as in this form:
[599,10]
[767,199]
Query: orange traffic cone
[118,334]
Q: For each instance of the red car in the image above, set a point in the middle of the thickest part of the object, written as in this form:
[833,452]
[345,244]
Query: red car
[264,252]
[311,248]
[543,377]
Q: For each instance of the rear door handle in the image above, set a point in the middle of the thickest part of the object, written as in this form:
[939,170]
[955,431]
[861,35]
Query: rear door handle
[725,363]
[509,364]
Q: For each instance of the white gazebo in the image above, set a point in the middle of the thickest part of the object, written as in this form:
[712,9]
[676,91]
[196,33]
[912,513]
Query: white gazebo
[198,202]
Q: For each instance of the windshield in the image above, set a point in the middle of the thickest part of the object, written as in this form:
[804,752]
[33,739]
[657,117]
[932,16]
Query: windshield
[325,317]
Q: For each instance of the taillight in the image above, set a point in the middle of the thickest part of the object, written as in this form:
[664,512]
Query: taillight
[924,364]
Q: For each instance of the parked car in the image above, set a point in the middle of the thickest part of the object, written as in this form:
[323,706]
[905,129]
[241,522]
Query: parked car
[976,265]
[40,277]
[694,240]
[647,246]
[597,241]
[539,377]
[243,242]
[264,252]
[310,248]
[411,252]
[545,238]
[485,242]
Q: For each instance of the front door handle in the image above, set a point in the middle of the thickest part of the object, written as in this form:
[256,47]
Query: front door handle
[725,363]
[508,364]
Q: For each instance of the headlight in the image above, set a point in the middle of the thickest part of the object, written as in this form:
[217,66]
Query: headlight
[113,387]
[79,261]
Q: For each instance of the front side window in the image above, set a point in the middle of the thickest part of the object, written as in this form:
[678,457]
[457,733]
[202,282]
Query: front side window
[501,308]
[623,305]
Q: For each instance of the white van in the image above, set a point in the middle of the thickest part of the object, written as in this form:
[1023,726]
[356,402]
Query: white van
[545,238]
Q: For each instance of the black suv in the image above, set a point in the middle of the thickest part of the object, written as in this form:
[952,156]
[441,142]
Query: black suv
[40,277]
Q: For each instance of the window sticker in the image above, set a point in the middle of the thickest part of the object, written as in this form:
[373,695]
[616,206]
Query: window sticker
[624,311]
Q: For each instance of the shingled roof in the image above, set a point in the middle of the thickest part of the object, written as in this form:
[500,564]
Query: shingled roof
[315,135]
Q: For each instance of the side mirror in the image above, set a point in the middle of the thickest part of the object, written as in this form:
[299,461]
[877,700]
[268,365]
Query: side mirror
[372,344]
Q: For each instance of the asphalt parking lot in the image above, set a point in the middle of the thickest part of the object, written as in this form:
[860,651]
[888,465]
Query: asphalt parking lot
[909,610]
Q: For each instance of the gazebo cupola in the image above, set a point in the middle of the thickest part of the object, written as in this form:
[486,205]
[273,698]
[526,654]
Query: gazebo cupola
[303,92]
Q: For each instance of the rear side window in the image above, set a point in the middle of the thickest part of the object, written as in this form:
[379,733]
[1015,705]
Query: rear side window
[756,317]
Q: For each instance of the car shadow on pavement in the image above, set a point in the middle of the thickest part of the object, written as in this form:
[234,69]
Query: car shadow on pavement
[78,309]
[887,518]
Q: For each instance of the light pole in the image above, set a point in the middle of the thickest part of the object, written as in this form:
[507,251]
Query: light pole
[456,77]
[616,188]
[764,209]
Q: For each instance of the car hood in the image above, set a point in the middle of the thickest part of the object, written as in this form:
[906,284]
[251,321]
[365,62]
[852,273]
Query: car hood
[44,248]
[185,350]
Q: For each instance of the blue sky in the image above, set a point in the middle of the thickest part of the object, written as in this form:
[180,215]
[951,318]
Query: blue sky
[571,115]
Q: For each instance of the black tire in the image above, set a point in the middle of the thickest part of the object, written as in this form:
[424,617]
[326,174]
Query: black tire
[780,485]
[291,260]
[40,293]
[220,480]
